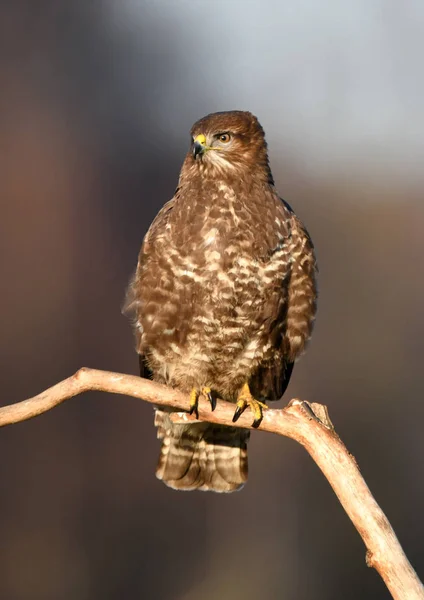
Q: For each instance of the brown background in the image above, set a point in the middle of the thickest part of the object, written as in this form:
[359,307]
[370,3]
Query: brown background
[95,107]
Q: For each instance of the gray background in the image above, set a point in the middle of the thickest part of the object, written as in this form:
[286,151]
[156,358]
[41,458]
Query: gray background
[96,103]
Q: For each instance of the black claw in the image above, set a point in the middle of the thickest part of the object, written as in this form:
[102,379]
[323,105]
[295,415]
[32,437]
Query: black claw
[194,409]
[257,422]
[212,400]
[237,413]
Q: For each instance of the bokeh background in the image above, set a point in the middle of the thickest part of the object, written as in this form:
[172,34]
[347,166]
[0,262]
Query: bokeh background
[97,98]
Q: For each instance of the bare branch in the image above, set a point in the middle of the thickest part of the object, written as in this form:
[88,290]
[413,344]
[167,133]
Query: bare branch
[306,423]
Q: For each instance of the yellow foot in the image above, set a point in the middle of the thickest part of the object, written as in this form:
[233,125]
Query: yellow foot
[194,399]
[246,399]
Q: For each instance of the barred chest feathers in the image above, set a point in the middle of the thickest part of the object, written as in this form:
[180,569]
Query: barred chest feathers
[219,263]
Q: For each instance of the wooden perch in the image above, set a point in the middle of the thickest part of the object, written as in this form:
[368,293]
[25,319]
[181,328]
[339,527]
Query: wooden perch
[306,423]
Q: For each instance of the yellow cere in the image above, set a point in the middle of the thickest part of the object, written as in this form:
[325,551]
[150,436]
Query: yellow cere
[201,139]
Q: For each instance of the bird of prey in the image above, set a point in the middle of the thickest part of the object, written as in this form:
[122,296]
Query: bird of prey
[223,298]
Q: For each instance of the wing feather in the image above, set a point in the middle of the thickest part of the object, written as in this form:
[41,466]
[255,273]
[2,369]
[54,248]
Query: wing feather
[289,312]
[132,306]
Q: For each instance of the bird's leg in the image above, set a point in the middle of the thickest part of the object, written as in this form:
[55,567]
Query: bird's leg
[194,399]
[245,399]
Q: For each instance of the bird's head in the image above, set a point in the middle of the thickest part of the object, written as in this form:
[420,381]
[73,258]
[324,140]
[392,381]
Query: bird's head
[228,144]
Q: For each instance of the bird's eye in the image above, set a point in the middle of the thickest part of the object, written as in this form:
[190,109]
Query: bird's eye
[224,138]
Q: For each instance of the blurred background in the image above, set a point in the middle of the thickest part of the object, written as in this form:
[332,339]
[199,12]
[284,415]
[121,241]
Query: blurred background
[97,99]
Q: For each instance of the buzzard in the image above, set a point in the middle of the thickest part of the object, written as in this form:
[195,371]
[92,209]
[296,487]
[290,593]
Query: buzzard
[223,298]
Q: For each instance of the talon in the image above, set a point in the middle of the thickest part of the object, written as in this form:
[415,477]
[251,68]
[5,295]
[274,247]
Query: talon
[194,402]
[194,399]
[245,399]
[210,396]
[257,422]
[239,410]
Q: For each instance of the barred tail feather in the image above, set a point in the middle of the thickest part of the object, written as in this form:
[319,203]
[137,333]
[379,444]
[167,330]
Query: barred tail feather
[201,456]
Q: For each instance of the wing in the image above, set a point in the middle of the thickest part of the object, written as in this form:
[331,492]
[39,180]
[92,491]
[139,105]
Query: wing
[290,309]
[132,305]
[302,288]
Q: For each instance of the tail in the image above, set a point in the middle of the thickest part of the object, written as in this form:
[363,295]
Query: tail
[201,456]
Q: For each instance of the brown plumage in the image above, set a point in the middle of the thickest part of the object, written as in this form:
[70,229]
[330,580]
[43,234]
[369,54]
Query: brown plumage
[224,295]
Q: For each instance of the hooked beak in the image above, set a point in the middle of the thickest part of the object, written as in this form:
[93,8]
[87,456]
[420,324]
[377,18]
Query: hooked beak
[199,145]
